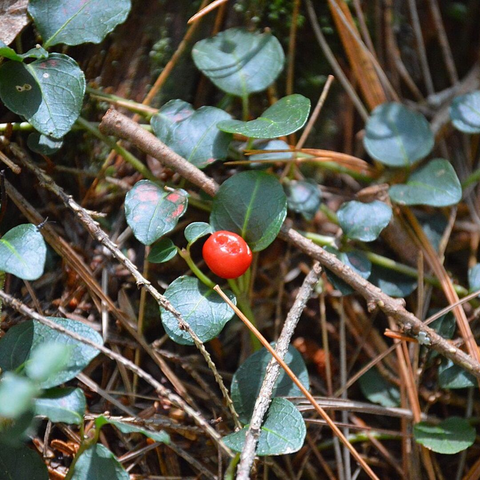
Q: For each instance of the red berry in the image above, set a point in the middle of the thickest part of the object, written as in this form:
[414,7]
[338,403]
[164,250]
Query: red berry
[227,254]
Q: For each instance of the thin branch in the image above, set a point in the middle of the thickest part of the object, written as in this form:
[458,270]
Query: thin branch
[273,371]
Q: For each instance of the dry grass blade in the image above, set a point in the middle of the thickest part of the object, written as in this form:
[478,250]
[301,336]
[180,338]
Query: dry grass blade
[297,382]
[209,8]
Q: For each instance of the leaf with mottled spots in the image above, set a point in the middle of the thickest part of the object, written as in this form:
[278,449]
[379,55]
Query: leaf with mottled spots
[152,211]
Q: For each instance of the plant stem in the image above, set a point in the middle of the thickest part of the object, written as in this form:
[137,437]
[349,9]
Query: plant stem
[185,254]
[245,109]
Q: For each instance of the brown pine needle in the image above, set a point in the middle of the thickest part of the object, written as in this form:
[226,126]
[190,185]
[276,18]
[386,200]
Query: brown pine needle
[297,382]
[207,9]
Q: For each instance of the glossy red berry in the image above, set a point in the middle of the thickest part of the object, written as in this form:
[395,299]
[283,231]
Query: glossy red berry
[227,254]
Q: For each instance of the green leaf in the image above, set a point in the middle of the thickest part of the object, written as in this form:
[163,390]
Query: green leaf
[197,230]
[303,196]
[397,136]
[452,377]
[15,432]
[16,395]
[152,211]
[445,325]
[240,62]
[392,283]
[465,112]
[99,463]
[251,204]
[354,259]
[21,463]
[286,116]
[73,22]
[162,251]
[378,390]
[283,431]
[448,437]
[435,184]
[10,53]
[43,144]
[364,221]
[47,93]
[24,338]
[192,134]
[434,225]
[46,360]
[23,252]
[474,278]
[262,160]
[66,405]
[201,307]
[249,376]
[124,427]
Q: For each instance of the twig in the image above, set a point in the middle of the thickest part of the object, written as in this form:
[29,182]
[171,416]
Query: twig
[159,388]
[273,371]
[297,382]
[118,124]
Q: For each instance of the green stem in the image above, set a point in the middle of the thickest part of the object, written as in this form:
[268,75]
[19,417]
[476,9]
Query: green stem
[230,471]
[131,159]
[185,254]
[245,108]
[472,178]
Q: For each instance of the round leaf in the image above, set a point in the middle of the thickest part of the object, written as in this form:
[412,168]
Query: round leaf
[42,144]
[20,463]
[251,204]
[392,283]
[435,184]
[192,134]
[66,405]
[248,379]
[452,377]
[201,307]
[303,196]
[21,340]
[99,463]
[16,395]
[286,116]
[48,93]
[378,390]
[397,136]
[465,112]
[283,431]
[73,22]
[240,62]
[197,230]
[163,251]
[356,260]
[448,437]
[364,221]
[152,212]
[23,252]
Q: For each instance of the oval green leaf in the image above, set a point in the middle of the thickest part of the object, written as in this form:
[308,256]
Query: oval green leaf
[66,405]
[20,463]
[283,431]
[378,390]
[152,212]
[17,346]
[453,377]
[163,251]
[397,136]
[197,230]
[286,116]
[124,427]
[73,22]
[435,184]
[23,252]
[465,112]
[448,437]
[248,379]
[16,395]
[47,359]
[43,144]
[354,259]
[251,204]
[303,196]
[201,307]
[392,283]
[192,134]
[99,463]
[240,62]
[33,91]
[364,221]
